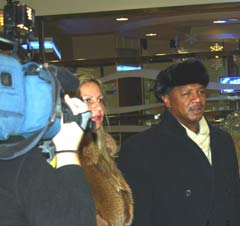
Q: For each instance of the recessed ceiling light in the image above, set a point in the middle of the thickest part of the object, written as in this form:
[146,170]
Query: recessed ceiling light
[234,20]
[227,21]
[160,54]
[121,19]
[219,21]
[81,59]
[151,34]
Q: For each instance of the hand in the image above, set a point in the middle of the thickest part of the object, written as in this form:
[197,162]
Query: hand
[69,137]
[77,106]
[70,134]
[71,113]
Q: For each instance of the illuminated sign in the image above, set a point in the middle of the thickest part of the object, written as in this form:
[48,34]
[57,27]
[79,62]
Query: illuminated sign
[230,80]
[128,68]
[48,46]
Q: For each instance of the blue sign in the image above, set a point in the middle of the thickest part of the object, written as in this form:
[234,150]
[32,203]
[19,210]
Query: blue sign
[230,80]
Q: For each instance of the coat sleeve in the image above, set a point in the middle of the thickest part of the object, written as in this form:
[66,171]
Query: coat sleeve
[133,166]
[236,178]
[232,167]
[235,165]
[54,197]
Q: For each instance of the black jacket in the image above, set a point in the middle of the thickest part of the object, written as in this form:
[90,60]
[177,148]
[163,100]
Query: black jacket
[32,193]
[174,184]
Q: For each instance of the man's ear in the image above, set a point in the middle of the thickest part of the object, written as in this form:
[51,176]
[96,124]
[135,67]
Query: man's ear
[166,101]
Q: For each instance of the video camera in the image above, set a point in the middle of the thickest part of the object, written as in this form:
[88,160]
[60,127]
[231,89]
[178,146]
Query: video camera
[19,22]
[31,94]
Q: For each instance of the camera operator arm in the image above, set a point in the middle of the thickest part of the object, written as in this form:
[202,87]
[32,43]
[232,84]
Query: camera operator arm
[68,139]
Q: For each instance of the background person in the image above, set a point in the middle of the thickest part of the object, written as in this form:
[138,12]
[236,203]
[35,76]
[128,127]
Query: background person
[183,171]
[112,195]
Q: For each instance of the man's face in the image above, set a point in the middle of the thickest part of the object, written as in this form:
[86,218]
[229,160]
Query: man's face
[187,104]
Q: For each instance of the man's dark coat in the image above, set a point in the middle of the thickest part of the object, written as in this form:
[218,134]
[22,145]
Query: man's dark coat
[173,182]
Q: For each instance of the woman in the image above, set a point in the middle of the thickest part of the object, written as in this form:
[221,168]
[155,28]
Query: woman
[112,195]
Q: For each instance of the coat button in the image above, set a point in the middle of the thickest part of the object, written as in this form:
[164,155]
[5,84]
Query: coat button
[188,192]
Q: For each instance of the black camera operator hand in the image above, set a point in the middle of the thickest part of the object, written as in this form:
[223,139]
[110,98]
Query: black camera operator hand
[69,137]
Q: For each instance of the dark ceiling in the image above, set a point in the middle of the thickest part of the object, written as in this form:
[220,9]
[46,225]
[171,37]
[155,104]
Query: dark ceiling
[182,29]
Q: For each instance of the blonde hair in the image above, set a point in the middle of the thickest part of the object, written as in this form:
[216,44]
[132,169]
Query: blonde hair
[85,77]
[97,154]
[104,142]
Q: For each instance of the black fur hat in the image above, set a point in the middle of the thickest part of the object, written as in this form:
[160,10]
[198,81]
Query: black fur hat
[186,72]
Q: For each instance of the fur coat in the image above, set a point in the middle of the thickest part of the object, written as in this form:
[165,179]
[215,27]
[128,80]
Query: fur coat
[112,195]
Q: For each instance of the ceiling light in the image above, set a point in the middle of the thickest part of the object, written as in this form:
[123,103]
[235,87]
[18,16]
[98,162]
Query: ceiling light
[219,21]
[121,19]
[81,59]
[160,54]
[227,21]
[234,20]
[216,47]
[151,34]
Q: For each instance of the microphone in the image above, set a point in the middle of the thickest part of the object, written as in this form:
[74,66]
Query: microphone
[67,80]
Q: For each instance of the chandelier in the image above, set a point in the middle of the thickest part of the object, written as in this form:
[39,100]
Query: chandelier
[217,47]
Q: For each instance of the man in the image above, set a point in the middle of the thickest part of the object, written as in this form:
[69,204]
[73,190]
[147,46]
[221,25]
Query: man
[33,193]
[183,171]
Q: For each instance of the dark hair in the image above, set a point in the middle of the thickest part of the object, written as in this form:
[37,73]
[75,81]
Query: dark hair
[186,72]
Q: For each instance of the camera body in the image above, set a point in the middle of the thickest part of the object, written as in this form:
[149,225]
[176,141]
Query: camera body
[19,21]
[30,93]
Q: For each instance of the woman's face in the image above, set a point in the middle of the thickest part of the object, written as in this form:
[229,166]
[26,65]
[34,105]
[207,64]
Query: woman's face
[93,97]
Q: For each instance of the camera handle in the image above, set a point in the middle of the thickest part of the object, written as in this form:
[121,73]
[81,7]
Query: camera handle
[83,119]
